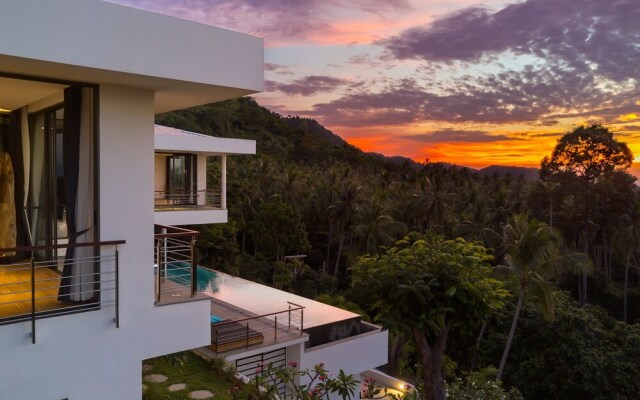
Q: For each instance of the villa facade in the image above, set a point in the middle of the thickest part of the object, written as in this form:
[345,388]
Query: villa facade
[88,183]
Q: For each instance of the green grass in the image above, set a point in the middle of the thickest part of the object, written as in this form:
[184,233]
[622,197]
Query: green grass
[195,372]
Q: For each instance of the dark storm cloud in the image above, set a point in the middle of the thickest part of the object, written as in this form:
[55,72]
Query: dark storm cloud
[307,86]
[454,135]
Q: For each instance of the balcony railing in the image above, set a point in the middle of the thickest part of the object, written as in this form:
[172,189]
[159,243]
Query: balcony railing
[258,330]
[175,263]
[35,286]
[192,199]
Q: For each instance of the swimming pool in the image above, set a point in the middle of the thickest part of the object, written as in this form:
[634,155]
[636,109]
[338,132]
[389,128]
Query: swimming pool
[180,272]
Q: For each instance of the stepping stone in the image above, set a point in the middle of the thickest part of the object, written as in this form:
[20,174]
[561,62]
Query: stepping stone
[201,394]
[154,378]
[144,388]
[177,386]
[147,367]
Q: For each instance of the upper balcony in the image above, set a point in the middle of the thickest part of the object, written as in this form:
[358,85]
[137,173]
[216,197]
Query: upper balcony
[191,176]
[50,280]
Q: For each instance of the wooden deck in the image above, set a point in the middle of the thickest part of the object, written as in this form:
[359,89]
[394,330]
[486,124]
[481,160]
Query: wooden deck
[15,289]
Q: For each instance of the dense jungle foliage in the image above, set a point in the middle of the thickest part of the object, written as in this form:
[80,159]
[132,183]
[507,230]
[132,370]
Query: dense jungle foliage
[564,245]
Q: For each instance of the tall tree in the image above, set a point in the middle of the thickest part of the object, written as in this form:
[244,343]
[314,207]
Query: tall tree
[533,258]
[341,214]
[426,286]
[586,155]
[588,152]
[375,228]
[628,238]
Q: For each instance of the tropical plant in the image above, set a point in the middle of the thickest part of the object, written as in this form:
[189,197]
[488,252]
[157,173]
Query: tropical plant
[481,385]
[628,238]
[307,384]
[534,258]
[423,287]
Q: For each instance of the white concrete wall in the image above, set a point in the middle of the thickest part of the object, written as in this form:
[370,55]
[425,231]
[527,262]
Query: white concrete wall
[353,355]
[137,42]
[201,167]
[186,63]
[191,217]
[84,356]
[174,140]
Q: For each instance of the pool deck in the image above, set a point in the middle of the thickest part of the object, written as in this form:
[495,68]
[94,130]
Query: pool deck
[273,331]
[258,299]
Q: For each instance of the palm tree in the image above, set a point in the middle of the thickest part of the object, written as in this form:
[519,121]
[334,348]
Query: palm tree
[375,227]
[534,258]
[341,214]
[628,238]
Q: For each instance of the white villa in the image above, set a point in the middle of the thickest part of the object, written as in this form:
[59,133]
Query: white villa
[88,183]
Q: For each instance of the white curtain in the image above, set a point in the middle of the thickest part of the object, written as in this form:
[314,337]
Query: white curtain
[84,279]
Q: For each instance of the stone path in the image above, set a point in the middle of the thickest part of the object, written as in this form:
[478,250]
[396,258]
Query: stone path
[155,378]
[201,394]
[159,378]
[177,386]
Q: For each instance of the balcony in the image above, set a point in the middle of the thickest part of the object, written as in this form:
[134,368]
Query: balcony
[48,281]
[187,200]
[175,267]
[235,331]
[191,176]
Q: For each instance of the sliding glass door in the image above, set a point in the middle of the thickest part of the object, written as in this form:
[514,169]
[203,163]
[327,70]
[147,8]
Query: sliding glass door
[181,179]
[47,194]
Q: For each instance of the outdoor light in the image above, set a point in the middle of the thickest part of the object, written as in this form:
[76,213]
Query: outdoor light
[401,386]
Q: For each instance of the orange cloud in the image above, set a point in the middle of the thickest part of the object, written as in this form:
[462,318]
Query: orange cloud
[629,117]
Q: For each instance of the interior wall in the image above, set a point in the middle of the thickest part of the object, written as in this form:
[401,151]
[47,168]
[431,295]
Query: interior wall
[160,173]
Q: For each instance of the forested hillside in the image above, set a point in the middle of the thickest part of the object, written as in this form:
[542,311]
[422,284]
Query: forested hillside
[567,245]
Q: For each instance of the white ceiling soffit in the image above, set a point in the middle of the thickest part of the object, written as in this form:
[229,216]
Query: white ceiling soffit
[16,93]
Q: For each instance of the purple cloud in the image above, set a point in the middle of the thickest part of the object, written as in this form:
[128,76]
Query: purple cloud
[307,86]
[271,19]
[594,36]
[453,135]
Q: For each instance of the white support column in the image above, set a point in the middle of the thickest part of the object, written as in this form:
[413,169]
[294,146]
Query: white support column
[201,184]
[223,182]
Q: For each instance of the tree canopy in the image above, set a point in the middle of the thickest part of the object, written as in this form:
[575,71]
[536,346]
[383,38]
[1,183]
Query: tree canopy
[589,152]
[425,285]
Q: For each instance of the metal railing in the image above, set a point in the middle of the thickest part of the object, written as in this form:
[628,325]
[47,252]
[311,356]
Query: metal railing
[190,199]
[33,287]
[260,329]
[175,262]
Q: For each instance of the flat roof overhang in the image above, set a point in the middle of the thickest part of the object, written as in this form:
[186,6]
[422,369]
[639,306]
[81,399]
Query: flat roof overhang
[92,41]
[177,140]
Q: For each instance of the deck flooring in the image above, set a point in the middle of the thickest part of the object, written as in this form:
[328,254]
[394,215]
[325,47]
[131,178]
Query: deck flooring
[15,289]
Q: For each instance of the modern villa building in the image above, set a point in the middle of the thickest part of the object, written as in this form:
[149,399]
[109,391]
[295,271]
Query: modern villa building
[88,183]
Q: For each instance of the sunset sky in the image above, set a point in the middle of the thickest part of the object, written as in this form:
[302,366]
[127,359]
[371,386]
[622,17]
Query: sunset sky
[462,81]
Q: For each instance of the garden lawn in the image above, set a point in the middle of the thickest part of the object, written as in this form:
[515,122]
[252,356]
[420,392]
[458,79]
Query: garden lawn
[194,371]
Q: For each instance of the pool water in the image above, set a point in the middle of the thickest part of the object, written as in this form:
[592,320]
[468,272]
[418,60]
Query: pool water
[179,272]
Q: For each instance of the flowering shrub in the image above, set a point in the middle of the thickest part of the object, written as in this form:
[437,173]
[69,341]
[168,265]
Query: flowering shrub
[320,384]
[481,385]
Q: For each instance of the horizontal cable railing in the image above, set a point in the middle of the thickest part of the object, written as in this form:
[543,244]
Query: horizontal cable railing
[181,199]
[261,329]
[34,285]
[175,264]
